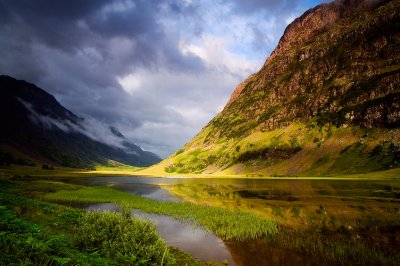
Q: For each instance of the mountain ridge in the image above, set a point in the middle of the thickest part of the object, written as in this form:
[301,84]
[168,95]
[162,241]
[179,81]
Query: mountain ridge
[35,126]
[326,101]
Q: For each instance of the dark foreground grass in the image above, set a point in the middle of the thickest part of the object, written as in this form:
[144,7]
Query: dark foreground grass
[33,232]
[224,223]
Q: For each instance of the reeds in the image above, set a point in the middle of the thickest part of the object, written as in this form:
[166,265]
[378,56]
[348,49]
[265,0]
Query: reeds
[229,225]
[34,232]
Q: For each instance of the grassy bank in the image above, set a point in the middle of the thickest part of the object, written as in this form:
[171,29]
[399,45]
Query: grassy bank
[66,174]
[34,232]
[226,224]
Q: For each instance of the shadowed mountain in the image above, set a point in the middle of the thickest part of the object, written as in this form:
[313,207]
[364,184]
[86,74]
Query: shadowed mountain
[326,101]
[36,128]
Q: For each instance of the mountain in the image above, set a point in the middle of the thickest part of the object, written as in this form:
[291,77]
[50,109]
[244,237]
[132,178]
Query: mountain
[326,101]
[36,128]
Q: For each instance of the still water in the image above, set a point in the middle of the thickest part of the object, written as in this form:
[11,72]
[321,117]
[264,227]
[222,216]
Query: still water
[338,197]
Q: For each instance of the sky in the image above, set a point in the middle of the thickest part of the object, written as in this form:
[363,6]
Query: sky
[157,70]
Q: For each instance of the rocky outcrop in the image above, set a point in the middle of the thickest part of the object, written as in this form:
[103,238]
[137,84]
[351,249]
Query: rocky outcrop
[338,63]
[336,66]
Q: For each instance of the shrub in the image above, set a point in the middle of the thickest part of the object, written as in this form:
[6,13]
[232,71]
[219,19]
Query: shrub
[127,240]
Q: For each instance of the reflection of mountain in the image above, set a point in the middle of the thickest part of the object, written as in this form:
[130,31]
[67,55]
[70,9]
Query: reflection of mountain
[326,102]
[259,252]
[35,127]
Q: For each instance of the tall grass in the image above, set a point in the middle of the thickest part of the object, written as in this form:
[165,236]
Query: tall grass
[229,225]
[33,232]
[126,240]
[23,242]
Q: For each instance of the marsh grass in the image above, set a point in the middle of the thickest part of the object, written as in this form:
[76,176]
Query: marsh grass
[25,242]
[126,240]
[34,232]
[229,225]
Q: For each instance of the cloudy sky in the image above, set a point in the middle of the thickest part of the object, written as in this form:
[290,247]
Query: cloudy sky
[157,70]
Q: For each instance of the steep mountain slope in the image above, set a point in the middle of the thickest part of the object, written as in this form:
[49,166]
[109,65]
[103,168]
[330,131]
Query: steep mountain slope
[326,101]
[35,127]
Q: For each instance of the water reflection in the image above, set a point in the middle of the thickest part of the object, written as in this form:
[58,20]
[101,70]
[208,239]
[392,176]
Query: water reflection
[154,192]
[194,240]
[256,253]
[145,187]
[333,204]
[101,207]
[285,189]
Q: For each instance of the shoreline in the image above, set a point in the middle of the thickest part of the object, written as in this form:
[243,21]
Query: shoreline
[367,176]
[392,174]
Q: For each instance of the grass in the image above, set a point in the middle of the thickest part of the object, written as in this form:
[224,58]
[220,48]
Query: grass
[302,146]
[322,232]
[69,174]
[116,166]
[127,240]
[224,223]
[66,173]
[27,243]
[33,232]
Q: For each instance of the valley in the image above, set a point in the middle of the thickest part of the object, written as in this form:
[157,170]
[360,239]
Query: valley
[300,167]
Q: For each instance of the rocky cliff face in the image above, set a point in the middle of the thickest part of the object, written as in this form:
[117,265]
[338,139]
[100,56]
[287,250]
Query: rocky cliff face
[332,81]
[339,63]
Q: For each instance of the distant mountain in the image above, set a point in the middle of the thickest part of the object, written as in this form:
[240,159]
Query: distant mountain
[326,101]
[36,128]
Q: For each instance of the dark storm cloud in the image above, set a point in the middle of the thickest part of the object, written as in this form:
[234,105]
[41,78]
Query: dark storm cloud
[79,50]
[69,25]
[139,19]
[60,11]
[72,26]
[53,23]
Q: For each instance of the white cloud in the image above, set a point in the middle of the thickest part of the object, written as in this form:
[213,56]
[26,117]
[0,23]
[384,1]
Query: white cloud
[89,127]
[188,100]
[130,83]
[215,51]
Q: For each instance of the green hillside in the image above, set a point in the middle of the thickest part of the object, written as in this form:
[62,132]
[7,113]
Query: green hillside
[326,102]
